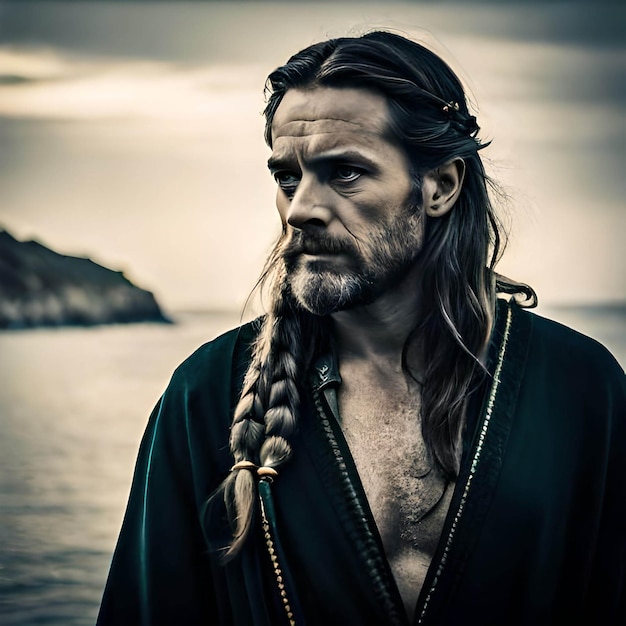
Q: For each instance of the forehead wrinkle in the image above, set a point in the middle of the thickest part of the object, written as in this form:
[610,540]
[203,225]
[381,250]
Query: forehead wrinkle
[312,148]
[310,123]
[305,127]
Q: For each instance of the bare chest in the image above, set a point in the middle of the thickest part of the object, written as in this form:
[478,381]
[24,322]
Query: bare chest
[409,498]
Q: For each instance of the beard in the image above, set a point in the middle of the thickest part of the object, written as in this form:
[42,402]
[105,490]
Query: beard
[367,268]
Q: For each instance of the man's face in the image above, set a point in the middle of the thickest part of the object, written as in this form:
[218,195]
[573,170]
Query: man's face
[346,198]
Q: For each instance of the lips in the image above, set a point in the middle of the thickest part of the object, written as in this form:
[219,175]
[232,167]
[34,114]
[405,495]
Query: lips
[314,245]
[316,248]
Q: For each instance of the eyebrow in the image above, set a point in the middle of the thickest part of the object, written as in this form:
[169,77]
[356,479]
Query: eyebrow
[275,163]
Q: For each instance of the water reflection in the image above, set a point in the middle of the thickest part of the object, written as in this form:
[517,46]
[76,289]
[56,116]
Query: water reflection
[73,405]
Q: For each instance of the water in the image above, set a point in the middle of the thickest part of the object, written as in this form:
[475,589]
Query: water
[73,406]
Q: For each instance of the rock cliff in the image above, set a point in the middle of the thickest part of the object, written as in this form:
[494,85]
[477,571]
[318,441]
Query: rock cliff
[39,287]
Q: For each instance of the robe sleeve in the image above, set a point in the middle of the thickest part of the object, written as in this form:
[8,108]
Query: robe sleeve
[607,591]
[163,572]
[160,573]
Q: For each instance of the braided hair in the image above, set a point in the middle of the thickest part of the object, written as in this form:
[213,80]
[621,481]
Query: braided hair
[430,118]
[266,415]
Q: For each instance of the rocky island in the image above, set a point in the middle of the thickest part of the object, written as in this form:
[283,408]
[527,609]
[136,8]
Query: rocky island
[39,287]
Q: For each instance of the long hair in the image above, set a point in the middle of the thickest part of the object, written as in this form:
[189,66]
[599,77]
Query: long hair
[430,119]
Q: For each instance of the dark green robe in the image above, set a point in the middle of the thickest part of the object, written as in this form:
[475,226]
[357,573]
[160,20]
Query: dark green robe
[535,533]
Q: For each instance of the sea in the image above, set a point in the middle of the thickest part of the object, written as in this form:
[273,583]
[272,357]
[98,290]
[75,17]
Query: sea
[73,406]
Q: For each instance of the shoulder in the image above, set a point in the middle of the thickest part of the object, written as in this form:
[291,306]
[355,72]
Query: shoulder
[216,359]
[560,345]
[193,415]
[566,371]
[207,383]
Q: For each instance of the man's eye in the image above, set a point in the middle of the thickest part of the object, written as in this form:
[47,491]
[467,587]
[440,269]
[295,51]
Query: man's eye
[347,174]
[287,180]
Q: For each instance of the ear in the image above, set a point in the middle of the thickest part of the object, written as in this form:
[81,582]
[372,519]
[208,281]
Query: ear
[441,187]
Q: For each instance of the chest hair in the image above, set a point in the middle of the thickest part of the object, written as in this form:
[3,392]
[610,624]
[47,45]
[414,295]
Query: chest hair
[408,495]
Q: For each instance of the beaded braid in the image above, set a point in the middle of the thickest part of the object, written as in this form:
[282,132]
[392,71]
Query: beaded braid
[265,417]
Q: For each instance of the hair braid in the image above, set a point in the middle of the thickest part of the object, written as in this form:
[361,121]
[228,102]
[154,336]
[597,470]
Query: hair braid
[265,417]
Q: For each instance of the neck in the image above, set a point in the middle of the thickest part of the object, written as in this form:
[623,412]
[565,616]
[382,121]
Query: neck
[378,332]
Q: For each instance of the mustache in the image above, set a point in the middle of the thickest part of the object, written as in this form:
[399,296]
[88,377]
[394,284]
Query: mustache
[301,242]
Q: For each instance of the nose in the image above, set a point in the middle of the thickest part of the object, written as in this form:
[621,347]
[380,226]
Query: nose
[310,204]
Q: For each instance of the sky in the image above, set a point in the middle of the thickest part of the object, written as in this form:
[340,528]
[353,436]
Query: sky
[131,132]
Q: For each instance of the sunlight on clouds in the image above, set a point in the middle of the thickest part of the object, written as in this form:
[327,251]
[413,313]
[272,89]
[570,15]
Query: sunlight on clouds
[58,87]
[34,65]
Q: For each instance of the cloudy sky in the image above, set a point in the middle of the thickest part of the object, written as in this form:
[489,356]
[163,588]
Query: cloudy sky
[131,131]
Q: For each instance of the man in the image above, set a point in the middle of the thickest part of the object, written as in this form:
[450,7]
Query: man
[390,444]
